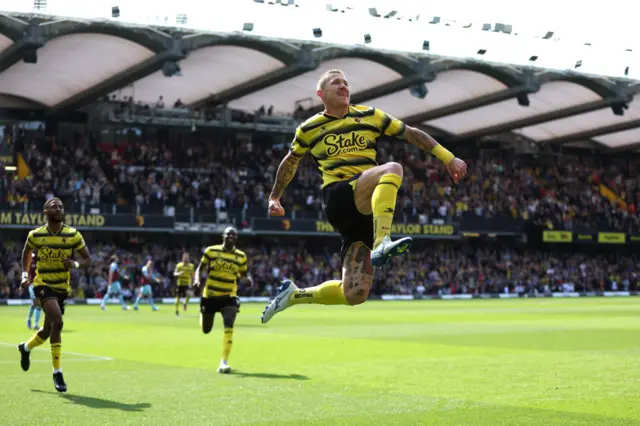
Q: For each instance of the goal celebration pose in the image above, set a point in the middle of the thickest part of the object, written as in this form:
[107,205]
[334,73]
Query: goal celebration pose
[359,195]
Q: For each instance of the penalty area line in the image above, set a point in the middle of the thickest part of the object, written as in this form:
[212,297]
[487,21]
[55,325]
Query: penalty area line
[88,357]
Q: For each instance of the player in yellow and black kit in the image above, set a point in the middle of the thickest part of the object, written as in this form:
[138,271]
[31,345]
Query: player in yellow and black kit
[359,194]
[55,243]
[184,278]
[225,264]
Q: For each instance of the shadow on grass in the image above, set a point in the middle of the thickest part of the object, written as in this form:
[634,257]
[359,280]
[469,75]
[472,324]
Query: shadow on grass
[270,376]
[99,403]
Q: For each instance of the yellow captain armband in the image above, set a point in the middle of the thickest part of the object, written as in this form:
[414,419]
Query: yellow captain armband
[442,154]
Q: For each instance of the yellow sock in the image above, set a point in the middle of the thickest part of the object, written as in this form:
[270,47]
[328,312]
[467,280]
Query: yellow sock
[227,341]
[56,348]
[383,203]
[327,293]
[177,303]
[34,342]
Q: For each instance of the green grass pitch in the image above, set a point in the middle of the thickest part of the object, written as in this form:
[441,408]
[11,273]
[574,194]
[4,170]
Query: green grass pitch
[479,362]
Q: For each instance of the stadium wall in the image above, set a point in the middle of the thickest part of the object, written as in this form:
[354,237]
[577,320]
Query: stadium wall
[384,297]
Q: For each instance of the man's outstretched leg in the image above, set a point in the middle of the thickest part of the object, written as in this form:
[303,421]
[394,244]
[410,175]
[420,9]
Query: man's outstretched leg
[375,192]
[357,277]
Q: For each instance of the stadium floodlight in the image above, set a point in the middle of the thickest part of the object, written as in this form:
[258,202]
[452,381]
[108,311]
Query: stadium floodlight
[39,4]
[317,32]
[171,68]
[626,69]
[247,26]
[367,38]
[503,28]
[618,108]
[115,12]
[419,91]
[30,56]
[426,45]
[181,19]
[533,58]
[578,64]
[481,51]
[523,99]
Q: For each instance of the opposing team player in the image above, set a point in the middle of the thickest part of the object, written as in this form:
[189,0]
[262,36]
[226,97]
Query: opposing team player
[184,279]
[35,304]
[148,276]
[359,195]
[55,244]
[225,264]
[114,286]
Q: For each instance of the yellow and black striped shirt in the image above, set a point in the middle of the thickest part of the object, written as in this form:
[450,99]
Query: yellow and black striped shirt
[52,249]
[224,269]
[186,273]
[342,147]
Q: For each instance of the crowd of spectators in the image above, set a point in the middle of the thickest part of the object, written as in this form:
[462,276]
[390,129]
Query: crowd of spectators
[442,268]
[235,173]
[64,169]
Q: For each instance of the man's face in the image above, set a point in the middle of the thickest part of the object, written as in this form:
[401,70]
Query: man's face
[230,237]
[55,211]
[336,92]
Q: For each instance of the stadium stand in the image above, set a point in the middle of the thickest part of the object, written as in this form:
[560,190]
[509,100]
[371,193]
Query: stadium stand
[440,268]
[563,192]
[445,268]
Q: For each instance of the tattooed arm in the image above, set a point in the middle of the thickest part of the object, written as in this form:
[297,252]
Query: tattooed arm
[421,139]
[456,167]
[284,176]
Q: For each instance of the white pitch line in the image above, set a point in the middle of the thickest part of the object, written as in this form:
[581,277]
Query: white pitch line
[89,356]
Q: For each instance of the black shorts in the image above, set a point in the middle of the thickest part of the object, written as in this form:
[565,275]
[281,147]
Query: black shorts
[211,305]
[182,290]
[44,293]
[343,215]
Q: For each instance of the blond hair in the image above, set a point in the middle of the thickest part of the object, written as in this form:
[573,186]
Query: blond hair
[322,83]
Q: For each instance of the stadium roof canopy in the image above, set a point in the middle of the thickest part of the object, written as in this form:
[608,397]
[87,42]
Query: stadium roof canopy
[78,62]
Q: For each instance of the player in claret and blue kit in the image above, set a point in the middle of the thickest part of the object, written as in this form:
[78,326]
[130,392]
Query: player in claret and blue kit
[114,287]
[148,276]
